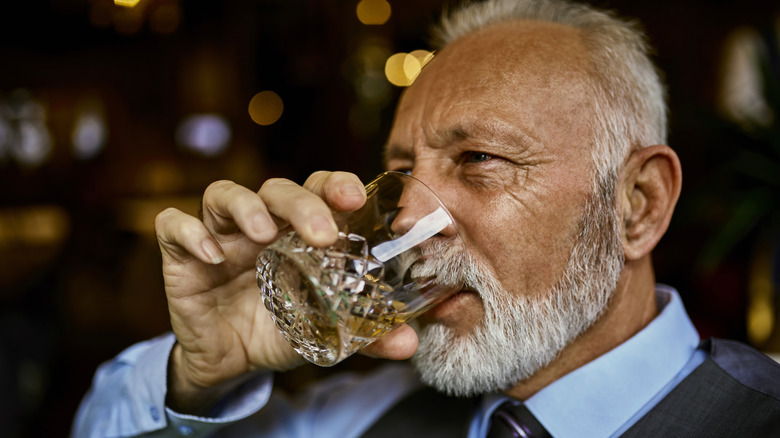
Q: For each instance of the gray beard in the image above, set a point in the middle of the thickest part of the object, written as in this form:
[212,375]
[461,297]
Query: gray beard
[520,334]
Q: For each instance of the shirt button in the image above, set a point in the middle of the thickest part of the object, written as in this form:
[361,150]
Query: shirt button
[185,430]
[155,413]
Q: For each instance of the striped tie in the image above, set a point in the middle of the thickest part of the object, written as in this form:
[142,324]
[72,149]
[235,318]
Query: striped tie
[513,420]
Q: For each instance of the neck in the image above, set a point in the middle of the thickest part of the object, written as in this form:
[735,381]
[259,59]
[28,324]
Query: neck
[630,309]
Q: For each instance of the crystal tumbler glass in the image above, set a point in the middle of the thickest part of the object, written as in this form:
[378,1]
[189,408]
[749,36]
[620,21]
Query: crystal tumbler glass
[383,270]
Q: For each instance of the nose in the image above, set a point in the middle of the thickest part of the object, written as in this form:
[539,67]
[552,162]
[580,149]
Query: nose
[421,209]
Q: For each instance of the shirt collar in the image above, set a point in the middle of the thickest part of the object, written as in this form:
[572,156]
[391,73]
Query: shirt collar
[598,398]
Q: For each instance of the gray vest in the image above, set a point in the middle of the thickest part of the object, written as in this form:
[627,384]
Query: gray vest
[733,393]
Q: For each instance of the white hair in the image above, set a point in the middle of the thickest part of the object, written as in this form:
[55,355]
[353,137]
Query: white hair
[520,333]
[629,97]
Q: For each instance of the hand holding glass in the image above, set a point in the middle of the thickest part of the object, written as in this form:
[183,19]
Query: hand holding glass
[331,302]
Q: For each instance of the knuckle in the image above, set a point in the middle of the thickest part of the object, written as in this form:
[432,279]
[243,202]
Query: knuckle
[274,183]
[321,174]
[317,179]
[218,186]
[188,229]
[164,217]
[172,225]
[345,175]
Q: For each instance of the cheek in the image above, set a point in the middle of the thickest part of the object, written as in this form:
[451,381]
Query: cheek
[526,245]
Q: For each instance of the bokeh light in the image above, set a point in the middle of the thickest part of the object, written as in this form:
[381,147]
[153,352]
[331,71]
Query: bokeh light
[266,108]
[204,134]
[373,12]
[397,66]
[34,225]
[89,135]
[126,3]
[423,56]
[401,69]
[761,292]
[35,143]
[27,138]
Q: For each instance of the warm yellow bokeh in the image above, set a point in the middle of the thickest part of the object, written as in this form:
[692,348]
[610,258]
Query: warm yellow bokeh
[373,11]
[423,56]
[761,304]
[126,3]
[394,70]
[402,69]
[265,108]
[34,225]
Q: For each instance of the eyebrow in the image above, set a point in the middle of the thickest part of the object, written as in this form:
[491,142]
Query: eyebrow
[394,151]
[494,132]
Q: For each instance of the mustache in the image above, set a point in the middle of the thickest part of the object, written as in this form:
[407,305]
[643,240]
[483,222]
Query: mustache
[450,265]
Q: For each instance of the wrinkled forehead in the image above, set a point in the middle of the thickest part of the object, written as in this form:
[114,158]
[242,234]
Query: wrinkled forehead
[524,46]
[527,73]
[526,57]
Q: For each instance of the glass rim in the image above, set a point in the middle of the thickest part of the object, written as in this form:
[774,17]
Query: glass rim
[446,210]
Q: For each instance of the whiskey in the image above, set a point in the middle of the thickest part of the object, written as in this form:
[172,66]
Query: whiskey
[331,302]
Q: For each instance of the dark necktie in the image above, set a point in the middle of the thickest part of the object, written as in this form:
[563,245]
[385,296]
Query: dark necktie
[514,420]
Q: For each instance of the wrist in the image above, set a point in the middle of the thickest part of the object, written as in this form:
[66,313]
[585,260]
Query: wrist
[187,395]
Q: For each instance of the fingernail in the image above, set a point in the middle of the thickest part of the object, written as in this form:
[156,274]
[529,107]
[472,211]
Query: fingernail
[352,190]
[213,253]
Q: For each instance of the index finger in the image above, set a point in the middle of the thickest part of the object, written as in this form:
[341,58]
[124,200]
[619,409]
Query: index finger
[229,208]
[308,208]
[307,213]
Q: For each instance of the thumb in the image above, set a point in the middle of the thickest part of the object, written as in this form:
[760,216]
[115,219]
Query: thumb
[399,344]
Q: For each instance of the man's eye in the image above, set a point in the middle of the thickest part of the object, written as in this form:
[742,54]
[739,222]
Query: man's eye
[477,157]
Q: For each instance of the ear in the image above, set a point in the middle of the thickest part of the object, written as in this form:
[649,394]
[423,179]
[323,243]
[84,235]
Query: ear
[649,188]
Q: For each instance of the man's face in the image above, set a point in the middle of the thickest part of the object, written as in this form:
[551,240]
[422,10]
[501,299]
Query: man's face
[497,125]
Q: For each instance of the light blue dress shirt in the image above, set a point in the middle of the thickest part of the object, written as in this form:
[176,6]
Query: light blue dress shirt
[601,399]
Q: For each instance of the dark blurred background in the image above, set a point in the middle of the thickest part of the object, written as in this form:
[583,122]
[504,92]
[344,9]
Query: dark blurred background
[110,113]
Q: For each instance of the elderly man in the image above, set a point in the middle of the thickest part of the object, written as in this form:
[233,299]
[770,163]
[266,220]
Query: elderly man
[541,125]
